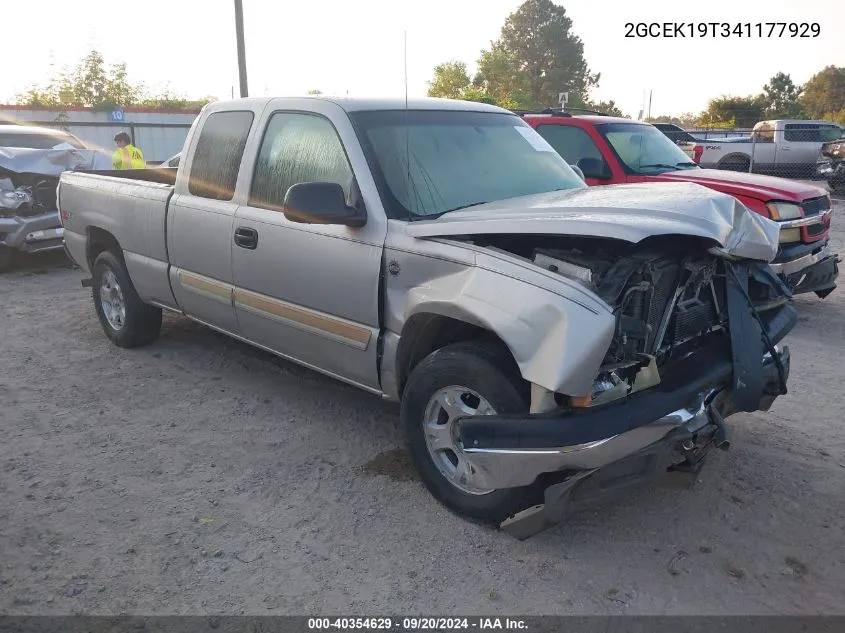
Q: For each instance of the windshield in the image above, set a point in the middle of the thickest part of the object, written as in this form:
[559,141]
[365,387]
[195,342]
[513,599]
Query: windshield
[37,141]
[644,149]
[457,159]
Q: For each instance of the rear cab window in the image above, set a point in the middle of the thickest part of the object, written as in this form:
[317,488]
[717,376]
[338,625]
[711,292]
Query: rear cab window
[217,157]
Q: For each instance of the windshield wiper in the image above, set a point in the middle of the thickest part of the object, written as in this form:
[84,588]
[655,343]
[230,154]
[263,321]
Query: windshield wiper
[659,165]
[463,206]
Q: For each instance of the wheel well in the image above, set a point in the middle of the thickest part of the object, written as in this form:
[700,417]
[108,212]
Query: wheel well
[100,240]
[425,333]
[735,159]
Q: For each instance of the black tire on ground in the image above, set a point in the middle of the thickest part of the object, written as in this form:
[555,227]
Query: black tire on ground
[488,369]
[142,323]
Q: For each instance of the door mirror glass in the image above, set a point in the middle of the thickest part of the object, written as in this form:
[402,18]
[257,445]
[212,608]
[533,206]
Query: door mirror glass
[321,203]
[595,168]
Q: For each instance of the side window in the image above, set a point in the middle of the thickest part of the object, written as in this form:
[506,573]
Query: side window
[571,142]
[217,157]
[297,148]
[764,134]
[802,133]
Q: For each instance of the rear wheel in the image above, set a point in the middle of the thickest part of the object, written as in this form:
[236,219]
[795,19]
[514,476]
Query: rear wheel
[464,379]
[125,319]
[735,163]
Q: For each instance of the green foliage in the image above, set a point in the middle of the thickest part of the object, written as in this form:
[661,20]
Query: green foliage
[538,37]
[781,97]
[824,93]
[499,75]
[450,80]
[536,57]
[93,84]
[474,94]
[743,111]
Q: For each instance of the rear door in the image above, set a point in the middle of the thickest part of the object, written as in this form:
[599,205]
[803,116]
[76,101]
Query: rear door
[800,146]
[310,292]
[201,219]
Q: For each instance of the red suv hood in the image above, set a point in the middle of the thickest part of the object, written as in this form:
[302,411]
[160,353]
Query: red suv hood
[764,188]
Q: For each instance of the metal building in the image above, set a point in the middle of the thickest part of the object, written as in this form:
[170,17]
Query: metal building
[159,133]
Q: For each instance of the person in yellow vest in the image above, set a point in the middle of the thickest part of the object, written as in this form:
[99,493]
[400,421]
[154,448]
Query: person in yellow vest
[127,156]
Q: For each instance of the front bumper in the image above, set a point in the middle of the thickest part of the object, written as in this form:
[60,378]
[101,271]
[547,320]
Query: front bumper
[811,269]
[32,234]
[599,451]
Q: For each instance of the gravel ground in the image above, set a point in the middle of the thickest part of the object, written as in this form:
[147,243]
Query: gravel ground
[198,476]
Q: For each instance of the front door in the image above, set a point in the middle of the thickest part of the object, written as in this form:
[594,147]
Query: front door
[309,292]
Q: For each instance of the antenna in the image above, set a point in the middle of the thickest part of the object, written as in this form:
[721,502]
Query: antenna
[407,133]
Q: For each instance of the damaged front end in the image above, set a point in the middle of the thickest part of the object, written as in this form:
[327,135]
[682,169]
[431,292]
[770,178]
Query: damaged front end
[695,341]
[29,219]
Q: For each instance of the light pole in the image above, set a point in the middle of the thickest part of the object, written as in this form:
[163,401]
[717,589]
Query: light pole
[239,29]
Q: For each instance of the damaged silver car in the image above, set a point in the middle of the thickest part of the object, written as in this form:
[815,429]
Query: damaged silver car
[547,341]
[31,161]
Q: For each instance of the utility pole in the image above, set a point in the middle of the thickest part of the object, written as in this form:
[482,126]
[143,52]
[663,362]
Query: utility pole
[239,28]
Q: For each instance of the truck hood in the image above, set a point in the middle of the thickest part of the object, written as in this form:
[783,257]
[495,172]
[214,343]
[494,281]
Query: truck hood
[764,188]
[630,212]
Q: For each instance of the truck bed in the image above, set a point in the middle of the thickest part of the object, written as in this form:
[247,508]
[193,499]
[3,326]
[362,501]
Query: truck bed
[132,206]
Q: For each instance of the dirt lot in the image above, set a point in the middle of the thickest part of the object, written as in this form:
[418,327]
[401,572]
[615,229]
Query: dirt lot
[198,476]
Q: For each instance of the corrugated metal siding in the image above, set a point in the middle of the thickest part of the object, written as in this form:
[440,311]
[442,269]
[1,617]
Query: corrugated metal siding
[157,143]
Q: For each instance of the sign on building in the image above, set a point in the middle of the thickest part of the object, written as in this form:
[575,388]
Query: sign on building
[117,116]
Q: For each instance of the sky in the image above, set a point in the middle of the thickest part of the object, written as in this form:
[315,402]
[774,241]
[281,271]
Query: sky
[356,47]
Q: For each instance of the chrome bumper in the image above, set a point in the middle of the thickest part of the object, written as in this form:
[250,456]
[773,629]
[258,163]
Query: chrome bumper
[508,468]
[797,265]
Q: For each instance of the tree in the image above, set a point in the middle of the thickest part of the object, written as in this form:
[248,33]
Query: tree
[538,37]
[474,94]
[93,84]
[314,92]
[740,111]
[824,93]
[450,80]
[499,76]
[781,98]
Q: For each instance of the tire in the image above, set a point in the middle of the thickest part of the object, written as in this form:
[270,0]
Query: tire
[735,164]
[134,325]
[488,370]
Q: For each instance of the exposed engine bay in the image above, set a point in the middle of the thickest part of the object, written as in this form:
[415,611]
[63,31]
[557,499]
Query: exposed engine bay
[26,195]
[668,295]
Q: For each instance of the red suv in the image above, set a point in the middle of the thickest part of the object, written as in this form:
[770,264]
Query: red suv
[610,150]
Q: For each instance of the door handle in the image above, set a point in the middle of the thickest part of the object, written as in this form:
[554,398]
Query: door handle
[246,237]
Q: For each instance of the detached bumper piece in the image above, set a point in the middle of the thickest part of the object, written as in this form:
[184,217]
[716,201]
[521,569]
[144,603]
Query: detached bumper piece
[583,454]
[819,277]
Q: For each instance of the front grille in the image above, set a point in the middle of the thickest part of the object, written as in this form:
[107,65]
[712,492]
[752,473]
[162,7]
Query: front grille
[814,206]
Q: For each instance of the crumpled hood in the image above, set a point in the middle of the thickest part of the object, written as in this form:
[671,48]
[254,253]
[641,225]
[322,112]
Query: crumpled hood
[50,162]
[625,212]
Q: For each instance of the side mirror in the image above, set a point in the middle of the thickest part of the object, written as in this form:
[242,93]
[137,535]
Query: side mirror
[595,168]
[578,171]
[321,203]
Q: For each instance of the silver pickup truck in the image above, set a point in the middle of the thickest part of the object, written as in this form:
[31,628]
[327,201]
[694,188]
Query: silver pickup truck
[547,341]
[780,147]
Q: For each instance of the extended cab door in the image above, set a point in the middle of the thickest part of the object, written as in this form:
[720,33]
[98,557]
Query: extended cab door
[200,219]
[310,292]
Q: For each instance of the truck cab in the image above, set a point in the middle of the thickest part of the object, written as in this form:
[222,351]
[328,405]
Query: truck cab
[612,150]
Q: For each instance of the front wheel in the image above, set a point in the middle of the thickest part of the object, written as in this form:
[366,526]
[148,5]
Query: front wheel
[126,320]
[464,379]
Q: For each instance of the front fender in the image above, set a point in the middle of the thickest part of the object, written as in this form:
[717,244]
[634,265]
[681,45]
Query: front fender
[557,343]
